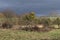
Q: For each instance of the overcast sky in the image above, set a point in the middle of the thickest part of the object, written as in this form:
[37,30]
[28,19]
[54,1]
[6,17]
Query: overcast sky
[42,7]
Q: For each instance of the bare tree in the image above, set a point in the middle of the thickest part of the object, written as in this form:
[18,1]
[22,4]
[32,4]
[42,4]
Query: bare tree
[9,14]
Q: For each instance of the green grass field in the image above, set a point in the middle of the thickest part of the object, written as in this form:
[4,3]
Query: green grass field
[7,34]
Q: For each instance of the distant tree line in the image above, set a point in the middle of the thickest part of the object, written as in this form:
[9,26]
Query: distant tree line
[28,19]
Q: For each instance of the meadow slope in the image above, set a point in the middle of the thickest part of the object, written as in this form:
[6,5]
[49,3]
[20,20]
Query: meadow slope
[7,34]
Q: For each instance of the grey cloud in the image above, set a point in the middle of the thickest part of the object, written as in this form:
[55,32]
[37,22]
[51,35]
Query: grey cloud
[39,6]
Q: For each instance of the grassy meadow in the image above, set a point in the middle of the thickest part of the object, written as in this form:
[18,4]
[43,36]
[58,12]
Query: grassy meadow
[8,34]
[31,24]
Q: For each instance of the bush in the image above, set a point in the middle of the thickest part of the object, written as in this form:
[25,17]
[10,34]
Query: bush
[35,28]
[7,25]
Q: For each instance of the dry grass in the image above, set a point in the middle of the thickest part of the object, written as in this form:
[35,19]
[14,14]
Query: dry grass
[7,34]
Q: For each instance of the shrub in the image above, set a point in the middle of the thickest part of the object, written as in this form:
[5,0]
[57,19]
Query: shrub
[7,25]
